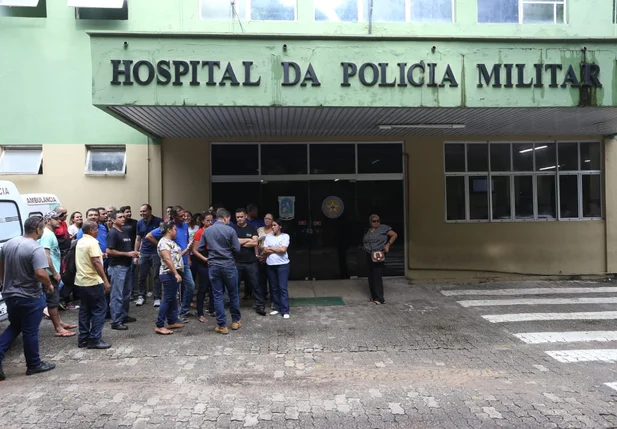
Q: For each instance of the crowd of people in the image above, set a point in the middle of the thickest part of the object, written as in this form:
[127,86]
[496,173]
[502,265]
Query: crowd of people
[108,259]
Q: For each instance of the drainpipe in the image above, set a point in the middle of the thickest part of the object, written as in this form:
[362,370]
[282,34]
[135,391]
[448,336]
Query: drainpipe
[370,16]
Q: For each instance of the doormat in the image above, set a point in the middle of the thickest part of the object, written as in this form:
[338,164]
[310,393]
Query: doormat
[324,301]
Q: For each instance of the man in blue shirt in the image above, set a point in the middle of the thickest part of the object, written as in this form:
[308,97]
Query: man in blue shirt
[148,256]
[93,215]
[252,217]
[182,240]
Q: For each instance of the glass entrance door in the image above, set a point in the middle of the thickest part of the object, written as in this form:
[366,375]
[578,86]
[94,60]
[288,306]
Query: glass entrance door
[325,192]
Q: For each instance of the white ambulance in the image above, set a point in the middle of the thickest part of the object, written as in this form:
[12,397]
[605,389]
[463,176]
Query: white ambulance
[13,214]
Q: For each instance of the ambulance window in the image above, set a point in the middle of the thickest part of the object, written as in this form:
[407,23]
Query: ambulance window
[10,222]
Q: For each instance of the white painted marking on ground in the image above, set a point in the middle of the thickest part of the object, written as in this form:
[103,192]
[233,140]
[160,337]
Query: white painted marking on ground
[612,385]
[526,317]
[535,301]
[597,355]
[529,291]
[566,337]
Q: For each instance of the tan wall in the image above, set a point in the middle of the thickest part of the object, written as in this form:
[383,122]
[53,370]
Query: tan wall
[437,249]
[63,175]
[186,173]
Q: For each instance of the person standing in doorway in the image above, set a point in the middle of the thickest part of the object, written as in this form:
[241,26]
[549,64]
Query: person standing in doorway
[49,242]
[200,261]
[22,270]
[252,218]
[263,267]
[377,242]
[275,249]
[172,265]
[92,283]
[182,240]
[121,254]
[246,261]
[148,260]
[223,246]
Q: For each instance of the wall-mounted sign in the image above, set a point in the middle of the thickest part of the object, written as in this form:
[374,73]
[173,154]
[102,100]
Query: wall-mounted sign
[194,72]
[287,208]
[332,207]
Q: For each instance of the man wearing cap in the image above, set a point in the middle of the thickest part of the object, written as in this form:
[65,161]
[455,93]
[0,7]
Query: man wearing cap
[52,250]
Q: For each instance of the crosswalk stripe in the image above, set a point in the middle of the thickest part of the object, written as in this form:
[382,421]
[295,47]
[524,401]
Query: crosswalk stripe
[593,355]
[536,301]
[612,385]
[527,317]
[529,291]
[566,337]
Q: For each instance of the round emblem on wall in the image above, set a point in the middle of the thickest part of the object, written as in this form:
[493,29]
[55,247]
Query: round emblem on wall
[332,207]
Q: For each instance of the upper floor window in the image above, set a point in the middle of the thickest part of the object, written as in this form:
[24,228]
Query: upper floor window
[522,11]
[384,10]
[256,10]
[100,9]
[23,8]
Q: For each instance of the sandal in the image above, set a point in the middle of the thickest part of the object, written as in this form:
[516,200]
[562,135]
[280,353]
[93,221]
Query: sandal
[202,319]
[163,331]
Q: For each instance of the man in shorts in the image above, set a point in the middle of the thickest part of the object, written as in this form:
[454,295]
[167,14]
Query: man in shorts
[54,259]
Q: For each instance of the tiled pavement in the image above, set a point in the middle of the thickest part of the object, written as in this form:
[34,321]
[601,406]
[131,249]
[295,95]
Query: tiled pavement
[421,361]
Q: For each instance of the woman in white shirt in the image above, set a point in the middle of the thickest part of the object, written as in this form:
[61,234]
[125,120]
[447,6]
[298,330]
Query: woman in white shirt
[275,250]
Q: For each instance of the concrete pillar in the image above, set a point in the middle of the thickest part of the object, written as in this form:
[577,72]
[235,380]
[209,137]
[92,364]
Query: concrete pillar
[610,202]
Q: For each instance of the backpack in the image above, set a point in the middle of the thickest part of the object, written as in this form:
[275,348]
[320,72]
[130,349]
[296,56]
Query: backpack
[70,267]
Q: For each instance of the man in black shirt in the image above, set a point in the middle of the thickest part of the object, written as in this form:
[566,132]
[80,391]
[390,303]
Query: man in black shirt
[246,261]
[120,253]
[130,226]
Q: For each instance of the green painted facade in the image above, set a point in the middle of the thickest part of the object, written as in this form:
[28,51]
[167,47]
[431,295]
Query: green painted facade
[47,74]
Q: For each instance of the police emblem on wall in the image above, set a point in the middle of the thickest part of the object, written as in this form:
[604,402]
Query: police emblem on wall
[332,207]
[287,208]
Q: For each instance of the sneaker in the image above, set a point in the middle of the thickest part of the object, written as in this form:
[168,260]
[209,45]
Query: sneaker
[71,306]
[157,303]
[119,327]
[274,313]
[221,330]
[236,325]
[140,301]
[149,294]
[129,319]
[183,320]
[286,316]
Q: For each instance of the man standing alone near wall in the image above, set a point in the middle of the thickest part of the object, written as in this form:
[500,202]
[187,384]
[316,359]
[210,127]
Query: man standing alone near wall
[22,270]
[92,283]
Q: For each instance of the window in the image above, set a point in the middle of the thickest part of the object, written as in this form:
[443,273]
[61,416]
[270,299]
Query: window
[522,11]
[331,158]
[23,8]
[10,221]
[380,158]
[258,10]
[106,160]
[21,160]
[384,10]
[284,159]
[233,159]
[100,9]
[529,181]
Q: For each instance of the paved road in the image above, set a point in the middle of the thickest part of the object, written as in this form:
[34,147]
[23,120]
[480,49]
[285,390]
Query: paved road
[426,359]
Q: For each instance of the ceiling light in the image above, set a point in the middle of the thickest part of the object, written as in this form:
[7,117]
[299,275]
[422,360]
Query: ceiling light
[588,160]
[548,168]
[433,126]
[531,149]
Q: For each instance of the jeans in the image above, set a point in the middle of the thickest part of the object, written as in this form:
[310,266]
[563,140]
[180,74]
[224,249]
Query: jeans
[225,278]
[278,276]
[249,272]
[91,313]
[189,289]
[169,304]
[375,279]
[145,264]
[264,284]
[25,315]
[205,287]
[120,293]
